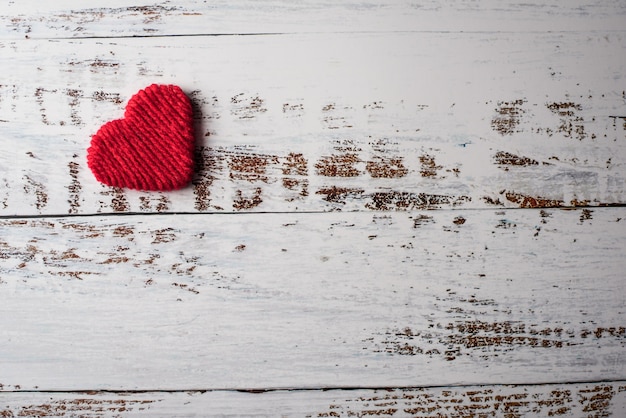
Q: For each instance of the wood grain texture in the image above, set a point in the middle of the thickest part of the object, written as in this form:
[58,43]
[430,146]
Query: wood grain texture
[571,400]
[400,209]
[263,301]
[115,18]
[320,122]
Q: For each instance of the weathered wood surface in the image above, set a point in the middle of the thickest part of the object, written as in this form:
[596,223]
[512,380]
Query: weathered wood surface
[448,135]
[254,301]
[285,123]
[117,18]
[571,400]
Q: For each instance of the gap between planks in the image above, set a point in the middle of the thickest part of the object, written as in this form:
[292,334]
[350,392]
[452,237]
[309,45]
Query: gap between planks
[299,33]
[600,400]
[309,212]
[311,388]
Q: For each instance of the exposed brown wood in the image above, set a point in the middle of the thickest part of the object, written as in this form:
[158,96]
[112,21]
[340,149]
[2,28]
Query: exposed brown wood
[72,19]
[330,141]
[602,399]
[398,209]
[463,296]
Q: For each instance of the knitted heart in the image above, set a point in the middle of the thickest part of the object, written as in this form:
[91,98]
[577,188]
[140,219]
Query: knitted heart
[151,148]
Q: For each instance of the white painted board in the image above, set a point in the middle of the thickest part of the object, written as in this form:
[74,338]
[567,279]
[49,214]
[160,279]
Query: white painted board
[319,122]
[563,400]
[404,164]
[258,301]
[118,18]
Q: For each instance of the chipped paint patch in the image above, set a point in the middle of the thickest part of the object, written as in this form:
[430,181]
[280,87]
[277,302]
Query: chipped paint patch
[339,165]
[119,202]
[336,117]
[207,165]
[422,220]
[124,231]
[163,235]
[152,202]
[249,201]
[246,106]
[77,407]
[478,401]
[525,201]
[492,201]
[336,194]
[459,220]
[508,117]
[102,96]
[74,187]
[571,125]
[86,230]
[250,167]
[39,98]
[386,167]
[36,188]
[98,65]
[505,159]
[411,201]
[484,339]
[74,96]
[586,215]
[429,167]
[186,287]
[295,165]
[293,110]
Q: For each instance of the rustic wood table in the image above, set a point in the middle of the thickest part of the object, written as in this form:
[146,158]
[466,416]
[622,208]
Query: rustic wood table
[399,209]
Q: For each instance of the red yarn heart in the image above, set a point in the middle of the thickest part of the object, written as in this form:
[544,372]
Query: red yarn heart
[151,148]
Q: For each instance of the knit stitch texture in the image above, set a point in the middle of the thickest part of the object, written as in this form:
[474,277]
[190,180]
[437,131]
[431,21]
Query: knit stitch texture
[152,147]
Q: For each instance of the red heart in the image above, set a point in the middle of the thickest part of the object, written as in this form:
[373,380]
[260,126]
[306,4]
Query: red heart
[151,148]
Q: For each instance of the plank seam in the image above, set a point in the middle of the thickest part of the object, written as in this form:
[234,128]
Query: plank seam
[174,35]
[190,213]
[314,389]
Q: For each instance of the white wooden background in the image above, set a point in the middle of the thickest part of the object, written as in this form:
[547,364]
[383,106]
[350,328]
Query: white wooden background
[400,209]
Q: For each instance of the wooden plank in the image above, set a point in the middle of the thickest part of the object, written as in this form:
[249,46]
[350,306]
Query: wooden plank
[569,400]
[382,109]
[320,122]
[71,18]
[258,301]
